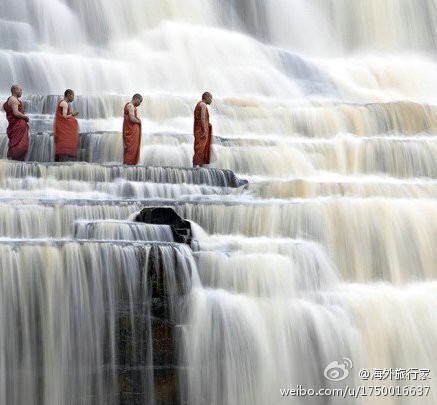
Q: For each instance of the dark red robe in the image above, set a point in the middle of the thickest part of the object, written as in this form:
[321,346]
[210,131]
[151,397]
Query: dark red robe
[18,133]
[66,133]
[202,147]
[131,139]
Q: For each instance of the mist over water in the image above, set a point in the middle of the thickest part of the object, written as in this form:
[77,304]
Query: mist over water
[327,107]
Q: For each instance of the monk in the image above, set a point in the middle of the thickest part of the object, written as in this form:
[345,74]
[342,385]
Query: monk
[66,129]
[18,128]
[132,131]
[202,132]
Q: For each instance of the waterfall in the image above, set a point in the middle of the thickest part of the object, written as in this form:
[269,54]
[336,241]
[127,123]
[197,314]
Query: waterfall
[66,314]
[313,231]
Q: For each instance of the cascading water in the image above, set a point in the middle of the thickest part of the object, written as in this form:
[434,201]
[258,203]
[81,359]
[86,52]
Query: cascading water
[67,309]
[327,107]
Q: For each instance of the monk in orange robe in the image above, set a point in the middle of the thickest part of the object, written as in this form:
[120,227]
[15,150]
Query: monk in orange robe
[202,132]
[66,129]
[132,131]
[18,128]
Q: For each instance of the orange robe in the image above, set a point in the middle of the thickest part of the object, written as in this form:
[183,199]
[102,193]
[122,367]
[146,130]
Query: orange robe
[131,139]
[18,133]
[66,133]
[202,147]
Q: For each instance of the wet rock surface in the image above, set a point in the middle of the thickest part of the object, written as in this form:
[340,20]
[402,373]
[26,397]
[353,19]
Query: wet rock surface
[167,216]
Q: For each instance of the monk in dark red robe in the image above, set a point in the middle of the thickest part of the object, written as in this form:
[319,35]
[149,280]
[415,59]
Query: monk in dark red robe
[202,132]
[132,131]
[18,128]
[66,129]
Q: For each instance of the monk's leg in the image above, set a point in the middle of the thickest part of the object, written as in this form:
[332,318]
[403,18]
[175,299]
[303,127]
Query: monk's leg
[19,156]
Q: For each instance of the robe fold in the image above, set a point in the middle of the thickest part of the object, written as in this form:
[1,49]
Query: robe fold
[131,139]
[18,133]
[66,133]
[202,147]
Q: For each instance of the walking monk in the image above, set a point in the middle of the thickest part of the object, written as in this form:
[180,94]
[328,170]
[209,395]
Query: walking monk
[202,132]
[66,129]
[132,131]
[18,128]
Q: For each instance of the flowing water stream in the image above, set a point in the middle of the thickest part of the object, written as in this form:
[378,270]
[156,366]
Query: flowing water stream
[327,107]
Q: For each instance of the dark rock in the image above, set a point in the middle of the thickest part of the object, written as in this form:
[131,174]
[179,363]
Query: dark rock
[167,216]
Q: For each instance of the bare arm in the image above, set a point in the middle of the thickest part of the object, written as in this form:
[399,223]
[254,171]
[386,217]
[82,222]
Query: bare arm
[64,106]
[65,114]
[14,104]
[203,119]
[132,117]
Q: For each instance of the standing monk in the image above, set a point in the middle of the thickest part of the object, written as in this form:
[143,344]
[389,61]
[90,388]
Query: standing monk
[66,129]
[132,131]
[18,128]
[202,132]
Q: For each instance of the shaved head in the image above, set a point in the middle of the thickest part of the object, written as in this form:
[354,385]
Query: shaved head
[69,95]
[15,87]
[207,97]
[16,90]
[137,99]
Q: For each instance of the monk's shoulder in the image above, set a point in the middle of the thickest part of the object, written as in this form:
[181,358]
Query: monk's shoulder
[13,101]
[63,103]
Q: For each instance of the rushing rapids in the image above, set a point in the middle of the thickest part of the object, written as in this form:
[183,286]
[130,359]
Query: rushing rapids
[327,108]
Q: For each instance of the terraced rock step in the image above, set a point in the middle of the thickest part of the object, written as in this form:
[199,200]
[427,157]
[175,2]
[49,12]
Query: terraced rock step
[82,171]
[309,119]
[32,187]
[330,221]
[122,230]
[358,186]
[345,154]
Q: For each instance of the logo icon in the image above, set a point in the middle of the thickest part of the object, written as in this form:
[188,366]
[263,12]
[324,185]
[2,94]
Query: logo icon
[336,371]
